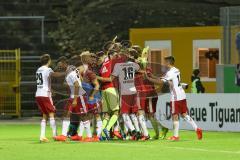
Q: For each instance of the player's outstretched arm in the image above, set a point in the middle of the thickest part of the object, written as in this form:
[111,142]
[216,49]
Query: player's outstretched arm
[105,79]
[151,75]
[58,74]
[154,80]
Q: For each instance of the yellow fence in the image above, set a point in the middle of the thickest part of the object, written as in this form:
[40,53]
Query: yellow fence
[10,82]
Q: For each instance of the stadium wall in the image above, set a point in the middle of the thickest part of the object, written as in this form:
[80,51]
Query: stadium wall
[182,40]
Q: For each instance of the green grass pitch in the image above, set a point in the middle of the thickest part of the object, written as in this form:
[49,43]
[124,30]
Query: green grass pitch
[20,142]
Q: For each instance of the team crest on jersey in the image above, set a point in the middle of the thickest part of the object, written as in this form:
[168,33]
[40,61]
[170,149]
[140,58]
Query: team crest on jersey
[104,70]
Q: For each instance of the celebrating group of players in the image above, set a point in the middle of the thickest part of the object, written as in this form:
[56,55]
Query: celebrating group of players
[114,92]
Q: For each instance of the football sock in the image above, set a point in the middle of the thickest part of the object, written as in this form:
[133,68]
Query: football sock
[65,126]
[94,126]
[53,126]
[43,128]
[126,128]
[128,122]
[87,126]
[72,129]
[112,121]
[105,122]
[154,125]
[81,129]
[99,127]
[175,128]
[142,122]
[74,124]
[190,121]
[135,122]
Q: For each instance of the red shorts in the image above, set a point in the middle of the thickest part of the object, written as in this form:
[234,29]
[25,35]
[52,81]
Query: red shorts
[80,108]
[149,105]
[45,105]
[179,107]
[141,102]
[129,103]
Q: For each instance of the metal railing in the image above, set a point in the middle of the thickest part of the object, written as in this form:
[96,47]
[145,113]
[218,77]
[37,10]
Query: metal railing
[10,82]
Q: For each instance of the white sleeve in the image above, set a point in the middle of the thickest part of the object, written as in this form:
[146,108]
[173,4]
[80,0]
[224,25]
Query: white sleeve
[168,77]
[116,70]
[49,71]
[72,77]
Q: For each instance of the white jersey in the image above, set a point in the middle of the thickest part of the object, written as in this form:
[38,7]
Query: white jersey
[125,73]
[173,78]
[43,82]
[71,78]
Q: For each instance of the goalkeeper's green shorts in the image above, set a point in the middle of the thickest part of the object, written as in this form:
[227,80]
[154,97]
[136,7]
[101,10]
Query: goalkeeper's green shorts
[110,100]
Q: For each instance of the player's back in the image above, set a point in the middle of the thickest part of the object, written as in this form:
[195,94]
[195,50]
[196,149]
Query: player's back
[125,73]
[174,79]
[43,81]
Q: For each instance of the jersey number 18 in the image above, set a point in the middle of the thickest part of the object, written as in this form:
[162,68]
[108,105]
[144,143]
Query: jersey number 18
[128,73]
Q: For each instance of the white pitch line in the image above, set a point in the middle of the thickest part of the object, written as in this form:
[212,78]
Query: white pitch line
[204,150]
[177,148]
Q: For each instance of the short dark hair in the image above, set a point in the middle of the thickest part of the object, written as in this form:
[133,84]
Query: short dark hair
[196,72]
[62,59]
[133,53]
[75,61]
[45,58]
[138,49]
[170,59]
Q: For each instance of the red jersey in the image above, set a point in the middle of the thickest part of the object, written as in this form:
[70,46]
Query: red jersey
[144,87]
[139,83]
[149,86]
[107,68]
[105,72]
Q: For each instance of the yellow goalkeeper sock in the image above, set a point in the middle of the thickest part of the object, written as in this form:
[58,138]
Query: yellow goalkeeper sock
[104,123]
[112,121]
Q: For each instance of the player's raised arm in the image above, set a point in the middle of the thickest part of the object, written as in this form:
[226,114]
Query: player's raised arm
[57,74]
[105,79]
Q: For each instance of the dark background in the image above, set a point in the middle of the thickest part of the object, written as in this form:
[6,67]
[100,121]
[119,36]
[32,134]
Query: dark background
[75,25]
